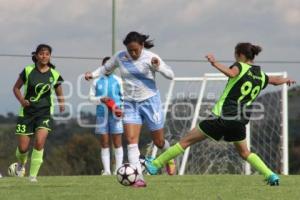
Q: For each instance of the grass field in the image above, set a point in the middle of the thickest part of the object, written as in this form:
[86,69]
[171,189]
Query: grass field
[215,187]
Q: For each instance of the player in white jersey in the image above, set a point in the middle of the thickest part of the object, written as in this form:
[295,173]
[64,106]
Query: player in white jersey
[141,97]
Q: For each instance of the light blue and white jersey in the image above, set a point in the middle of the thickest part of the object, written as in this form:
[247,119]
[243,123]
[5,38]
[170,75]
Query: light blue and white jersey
[106,86]
[138,75]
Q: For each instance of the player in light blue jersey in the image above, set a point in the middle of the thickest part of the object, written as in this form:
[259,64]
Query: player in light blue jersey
[108,122]
[142,103]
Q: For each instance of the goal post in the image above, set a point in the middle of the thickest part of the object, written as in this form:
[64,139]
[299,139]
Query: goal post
[187,102]
[285,131]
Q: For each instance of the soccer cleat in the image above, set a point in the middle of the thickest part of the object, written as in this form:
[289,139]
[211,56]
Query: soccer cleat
[150,167]
[171,167]
[139,183]
[33,179]
[20,170]
[273,180]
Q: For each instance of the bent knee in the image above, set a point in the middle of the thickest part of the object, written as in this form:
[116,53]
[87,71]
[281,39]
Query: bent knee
[159,143]
[244,154]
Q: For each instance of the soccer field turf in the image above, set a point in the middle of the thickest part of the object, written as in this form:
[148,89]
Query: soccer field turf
[218,187]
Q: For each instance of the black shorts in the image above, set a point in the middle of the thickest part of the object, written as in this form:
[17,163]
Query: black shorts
[27,125]
[218,128]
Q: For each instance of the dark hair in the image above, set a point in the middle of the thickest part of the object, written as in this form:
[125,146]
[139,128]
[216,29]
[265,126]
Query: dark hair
[248,49]
[105,59]
[39,48]
[139,38]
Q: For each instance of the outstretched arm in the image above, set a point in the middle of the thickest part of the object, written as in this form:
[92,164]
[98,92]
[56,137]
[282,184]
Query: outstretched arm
[108,68]
[230,72]
[279,80]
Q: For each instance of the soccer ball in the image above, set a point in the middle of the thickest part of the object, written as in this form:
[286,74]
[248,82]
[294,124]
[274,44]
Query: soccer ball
[12,169]
[127,174]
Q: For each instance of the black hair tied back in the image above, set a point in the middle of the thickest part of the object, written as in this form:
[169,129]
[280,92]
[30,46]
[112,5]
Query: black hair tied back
[139,38]
[256,49]
[39,48]
[248,50]
[33,57]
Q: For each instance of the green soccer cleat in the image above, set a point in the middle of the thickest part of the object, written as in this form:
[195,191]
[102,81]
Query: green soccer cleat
[273,180]
[150,167]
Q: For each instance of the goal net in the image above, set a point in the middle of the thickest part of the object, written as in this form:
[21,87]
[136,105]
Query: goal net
[190,100]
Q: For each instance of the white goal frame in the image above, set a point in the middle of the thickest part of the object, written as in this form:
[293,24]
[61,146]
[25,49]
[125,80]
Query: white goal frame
[219,76]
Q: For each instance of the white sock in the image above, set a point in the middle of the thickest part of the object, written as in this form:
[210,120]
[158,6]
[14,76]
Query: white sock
[119,157]
[166,145]
[105,158]
[134,158]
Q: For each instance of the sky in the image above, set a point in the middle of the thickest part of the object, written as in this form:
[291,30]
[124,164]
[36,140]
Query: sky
[181,29]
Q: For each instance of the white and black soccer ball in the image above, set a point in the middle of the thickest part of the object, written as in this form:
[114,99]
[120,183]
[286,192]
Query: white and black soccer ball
[12,169]
[127,174]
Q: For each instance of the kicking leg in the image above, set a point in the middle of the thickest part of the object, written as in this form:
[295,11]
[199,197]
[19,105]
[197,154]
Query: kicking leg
[256,162]
[163,144]
[191,138]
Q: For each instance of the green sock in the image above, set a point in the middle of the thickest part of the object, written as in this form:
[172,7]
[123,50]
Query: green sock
[259,165]
[22,157]
[169,154]
[36,162]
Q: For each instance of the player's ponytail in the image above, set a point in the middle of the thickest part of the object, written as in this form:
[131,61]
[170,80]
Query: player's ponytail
[40,48]
[33,57]
[51,65]
[248,50]
[256,49]
[139,38]
[148,44]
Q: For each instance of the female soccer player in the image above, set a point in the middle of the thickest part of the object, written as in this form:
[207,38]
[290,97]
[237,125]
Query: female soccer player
[231,112]
[109,121]
[141,97]
[40,80]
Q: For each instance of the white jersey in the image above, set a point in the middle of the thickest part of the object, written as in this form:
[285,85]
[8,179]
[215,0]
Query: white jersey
[138,75]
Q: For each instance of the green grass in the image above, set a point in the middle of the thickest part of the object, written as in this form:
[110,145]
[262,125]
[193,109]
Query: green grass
[215,187]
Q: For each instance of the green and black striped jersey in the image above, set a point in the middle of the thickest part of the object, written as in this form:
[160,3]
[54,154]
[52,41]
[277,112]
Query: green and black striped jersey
[39,89]
[240,92]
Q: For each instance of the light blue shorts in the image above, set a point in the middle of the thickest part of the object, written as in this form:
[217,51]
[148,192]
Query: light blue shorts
[108,124]
[148,111]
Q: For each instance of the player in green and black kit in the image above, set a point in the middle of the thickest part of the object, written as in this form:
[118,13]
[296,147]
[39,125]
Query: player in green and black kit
[40,80]
[232,111]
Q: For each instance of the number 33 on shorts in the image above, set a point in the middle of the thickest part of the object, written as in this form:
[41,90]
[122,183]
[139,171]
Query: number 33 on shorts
[21,128]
